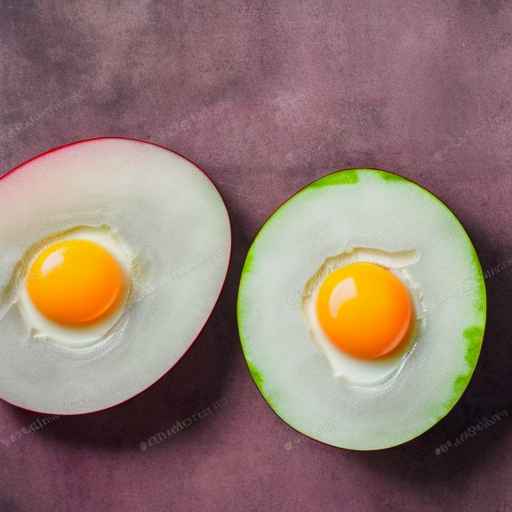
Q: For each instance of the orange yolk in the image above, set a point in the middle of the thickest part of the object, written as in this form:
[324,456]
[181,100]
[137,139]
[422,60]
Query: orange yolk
[75,282]
[364,309]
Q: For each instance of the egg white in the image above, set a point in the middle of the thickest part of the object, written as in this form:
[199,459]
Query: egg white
[41,328]
[355,371]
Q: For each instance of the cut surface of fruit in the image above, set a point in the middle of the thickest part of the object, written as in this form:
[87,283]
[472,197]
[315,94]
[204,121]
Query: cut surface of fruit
[378,217]
[108,228]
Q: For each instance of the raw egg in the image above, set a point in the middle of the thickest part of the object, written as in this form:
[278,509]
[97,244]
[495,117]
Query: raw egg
[364,311]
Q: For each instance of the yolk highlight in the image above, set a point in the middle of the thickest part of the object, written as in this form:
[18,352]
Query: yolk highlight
[364,309]
[75,282]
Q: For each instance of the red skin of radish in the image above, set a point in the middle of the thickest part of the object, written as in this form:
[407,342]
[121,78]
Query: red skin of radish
[200,330]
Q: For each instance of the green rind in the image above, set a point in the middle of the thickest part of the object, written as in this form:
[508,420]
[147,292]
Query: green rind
[343,177]
[258,379]
[249,260]
[255,373]
[472,335]
[389,176]
[481,299]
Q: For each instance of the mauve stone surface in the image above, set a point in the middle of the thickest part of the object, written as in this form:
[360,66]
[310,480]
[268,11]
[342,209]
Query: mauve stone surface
[268,96]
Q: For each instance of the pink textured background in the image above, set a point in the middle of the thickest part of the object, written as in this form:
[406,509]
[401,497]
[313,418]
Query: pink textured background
[267,96]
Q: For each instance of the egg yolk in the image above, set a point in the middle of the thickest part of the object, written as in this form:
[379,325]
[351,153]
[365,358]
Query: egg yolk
[364,309]
[75,282]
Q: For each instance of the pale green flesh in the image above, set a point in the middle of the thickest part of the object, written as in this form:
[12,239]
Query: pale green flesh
[467,304]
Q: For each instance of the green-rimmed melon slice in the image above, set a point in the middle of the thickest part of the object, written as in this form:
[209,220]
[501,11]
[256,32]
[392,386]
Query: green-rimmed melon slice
[361,208]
